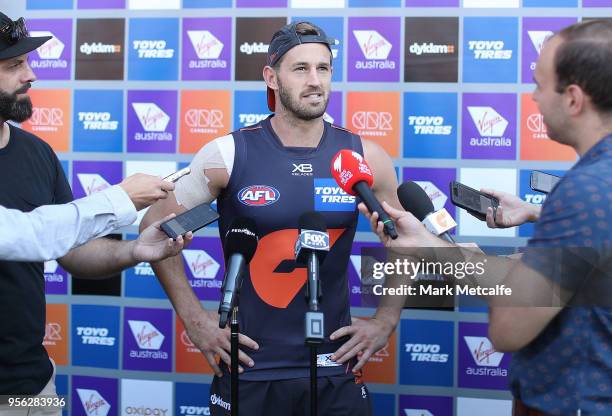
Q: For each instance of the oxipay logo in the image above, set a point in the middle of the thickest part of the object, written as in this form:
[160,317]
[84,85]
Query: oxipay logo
[93,402]
[92,182]
[201,264]
[97,120]
[489,50]
[491,126]
[486,358]
[152,49]
[98,48]
[205,44]
[429,125]
[95,336]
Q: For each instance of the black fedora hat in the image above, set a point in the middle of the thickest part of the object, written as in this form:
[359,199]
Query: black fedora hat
[15,39]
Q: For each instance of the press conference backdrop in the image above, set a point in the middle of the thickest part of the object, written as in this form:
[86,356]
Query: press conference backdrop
[140,85]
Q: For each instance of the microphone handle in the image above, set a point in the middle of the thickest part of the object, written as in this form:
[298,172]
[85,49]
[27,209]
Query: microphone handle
[314,289]
[367,196]
[231,287]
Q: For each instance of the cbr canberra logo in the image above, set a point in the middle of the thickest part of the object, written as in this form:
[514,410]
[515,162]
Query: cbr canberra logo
[375,49]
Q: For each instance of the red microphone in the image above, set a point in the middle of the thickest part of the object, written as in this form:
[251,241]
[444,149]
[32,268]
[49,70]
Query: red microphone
[353,175]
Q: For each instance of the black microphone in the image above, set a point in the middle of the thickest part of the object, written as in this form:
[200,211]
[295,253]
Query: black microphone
[416,201]
[311,248]
[239,245]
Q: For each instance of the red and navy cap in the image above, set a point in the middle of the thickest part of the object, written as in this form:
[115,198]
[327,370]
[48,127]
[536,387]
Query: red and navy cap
[287,38]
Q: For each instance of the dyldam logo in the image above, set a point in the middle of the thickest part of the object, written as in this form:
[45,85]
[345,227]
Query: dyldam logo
[482,351]
[373,45]
[93,402]
[146,335]
[431,49]
[372,123]
[92,182]
[53,333]
[535,124]
[255,47]
[438,198]
[47,118]
[218,401]
[488,121]
[151,117]
[51,49]
[97,120]
[201,264]
[97,48]
[205,44]
[201,118]
[152,49]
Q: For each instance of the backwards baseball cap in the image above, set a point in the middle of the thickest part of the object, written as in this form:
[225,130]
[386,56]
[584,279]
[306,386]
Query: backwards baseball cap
[15,39]
[286,39]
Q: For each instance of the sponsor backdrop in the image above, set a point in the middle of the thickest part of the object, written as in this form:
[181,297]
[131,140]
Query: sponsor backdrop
[444,86]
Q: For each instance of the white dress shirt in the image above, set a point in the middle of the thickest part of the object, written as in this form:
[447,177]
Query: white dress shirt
[50,231]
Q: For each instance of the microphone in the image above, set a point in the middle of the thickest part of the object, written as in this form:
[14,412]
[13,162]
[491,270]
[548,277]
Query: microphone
[416,201]
[239,245]
[310,248]
[353,175]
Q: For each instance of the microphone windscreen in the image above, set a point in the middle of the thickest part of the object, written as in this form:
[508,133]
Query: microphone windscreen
[312,220]
[415,200]
[241,238]
[348,168]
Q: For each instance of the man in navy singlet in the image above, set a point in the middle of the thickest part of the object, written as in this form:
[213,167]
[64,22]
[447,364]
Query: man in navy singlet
[273,172]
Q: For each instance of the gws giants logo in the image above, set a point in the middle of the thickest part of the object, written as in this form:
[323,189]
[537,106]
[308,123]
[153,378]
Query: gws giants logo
[258,195]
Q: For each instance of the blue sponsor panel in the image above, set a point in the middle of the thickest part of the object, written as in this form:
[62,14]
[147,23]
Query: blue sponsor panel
[250,107]
[377,3]
[140,280]
[97,121]
[426,353]
[430,125]
[61,387]
[382,404]
[65,167]
[153,49]
[334,28]
[197,4]
[531,196]
[95,336]
[48,5]
[192,399]
[550,3]
[490,49]
[330,197]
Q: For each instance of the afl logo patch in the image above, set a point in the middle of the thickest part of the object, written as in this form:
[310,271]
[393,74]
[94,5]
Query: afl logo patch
[258,195]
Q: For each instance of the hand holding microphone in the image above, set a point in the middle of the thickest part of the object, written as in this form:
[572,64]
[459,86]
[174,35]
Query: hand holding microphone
[353,175]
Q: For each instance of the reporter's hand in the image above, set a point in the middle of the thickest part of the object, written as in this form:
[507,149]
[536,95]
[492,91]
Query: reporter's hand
[144,189]
[367,338]
[203,330]
[153,244]
[511,212]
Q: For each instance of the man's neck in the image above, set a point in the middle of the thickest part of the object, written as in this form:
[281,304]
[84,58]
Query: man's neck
[589,137]
[5,133]
[294,132]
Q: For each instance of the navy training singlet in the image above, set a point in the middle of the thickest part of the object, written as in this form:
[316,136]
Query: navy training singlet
[274,185]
